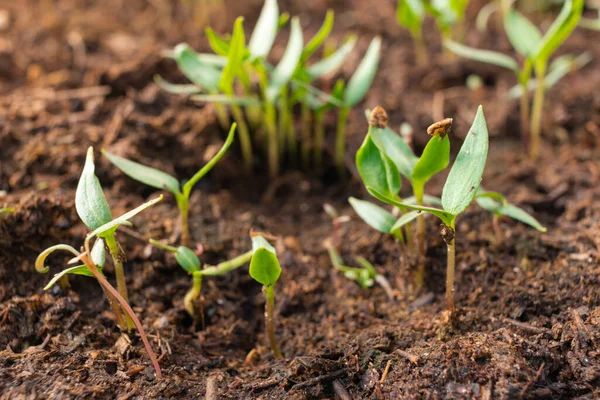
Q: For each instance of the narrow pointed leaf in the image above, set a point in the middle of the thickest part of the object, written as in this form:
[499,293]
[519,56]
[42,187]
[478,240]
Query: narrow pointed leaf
[361,80]
[123,219]
[147,175]
[264,265]
[465,176]
[202,74]
[265,30]
[317,40]
[484,56]
[435,158]
[90,203]
[559,31]
[286,67]
[405,219]
[332,63]
[225,99]
[523,35]
[175,88]
[375,216]
[219,45]
[511,211]
[79,270]
[234,57]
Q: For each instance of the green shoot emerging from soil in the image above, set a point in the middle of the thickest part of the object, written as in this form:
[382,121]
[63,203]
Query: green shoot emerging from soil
[265,269]
[461,187]
[94,212]
[189,261]
[161,180]
[536,51]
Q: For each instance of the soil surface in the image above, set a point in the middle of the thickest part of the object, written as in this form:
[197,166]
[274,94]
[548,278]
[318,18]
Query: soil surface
[77,73]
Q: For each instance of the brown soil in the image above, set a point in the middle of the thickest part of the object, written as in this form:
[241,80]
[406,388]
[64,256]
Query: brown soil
[76,73]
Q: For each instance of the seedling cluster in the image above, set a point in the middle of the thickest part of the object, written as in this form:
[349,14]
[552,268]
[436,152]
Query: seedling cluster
[229,78]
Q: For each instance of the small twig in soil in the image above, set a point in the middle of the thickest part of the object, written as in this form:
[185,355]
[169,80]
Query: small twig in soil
[410,357]
[385,371]
[318,379]
[212,388]
[532,382]
[583,330]
[341,391]
[265,384]
[526,327]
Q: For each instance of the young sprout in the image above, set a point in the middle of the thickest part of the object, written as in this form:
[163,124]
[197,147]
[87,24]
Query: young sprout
[189,261]
[365,276]
[337,221]
[410,14]
[461,187]
[265,269]
[93,260]
[161,180]
[536,49]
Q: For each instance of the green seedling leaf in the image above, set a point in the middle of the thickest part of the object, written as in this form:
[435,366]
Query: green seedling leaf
[523,35]
[150,176]
[509,210]
[405,219]
[491,195]
[331,64]
[7,210]
[79,270]
[219,45]
[90,203]
[317,40]
[99,253]
[225,99]
[41,259]
[375,216]
[435,158]
[187,259]
[175,88]
[465,176]
[376,169]
[187,188]
[111,226]
[361,80]
[202,74]
[286,67]
[446,217]
[484,56]
[559,31]
[427,199]
[264,265]
[265,30]
[410,14]
[363,276]
[284,18]
[234,57]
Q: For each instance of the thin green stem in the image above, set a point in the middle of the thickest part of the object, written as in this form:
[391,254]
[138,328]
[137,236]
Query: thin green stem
[272,139]
[227,266]
[524,77]
[306,139]
[117,258]
[319,139]
[340,140]
[192,295]
[450,272]
[269,317]
[222,115]
[538,106]
[286,125]
[183,204]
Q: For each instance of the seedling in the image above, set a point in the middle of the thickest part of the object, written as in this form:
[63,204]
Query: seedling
[189,261]
[265,269]
[337,220]
[383,151]
[365,276]
[536,49]
[461,187]
[161,180]
[95,209]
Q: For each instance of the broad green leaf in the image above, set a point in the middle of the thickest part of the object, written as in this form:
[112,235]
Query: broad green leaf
[376,169]
[90,203]
[484,56]
[375,216]
[464,178]
[265,30]
[559,31]
[332,63]
[187,259]
[523,35]
[361,80]
[264,266]
[122,220]
[235,57]
[225,99]
[147,175]
[187,187]
[79,270]
[317,40]
[435,158]
[286,67]
[200,73]
[405,219]
[175,88]
[509,210]
[219,46]
[444,216]
[410,14]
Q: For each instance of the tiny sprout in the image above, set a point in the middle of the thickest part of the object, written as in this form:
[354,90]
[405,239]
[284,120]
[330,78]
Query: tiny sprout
[161,180]
[189,261]
[265,269]
[93,260]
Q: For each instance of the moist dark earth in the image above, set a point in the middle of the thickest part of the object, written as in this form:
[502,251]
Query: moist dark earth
[76,73]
